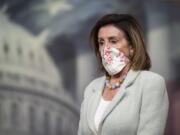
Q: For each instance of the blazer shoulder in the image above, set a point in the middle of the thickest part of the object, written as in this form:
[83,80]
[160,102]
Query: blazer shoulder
[151,76]
[93,84]
[153,82]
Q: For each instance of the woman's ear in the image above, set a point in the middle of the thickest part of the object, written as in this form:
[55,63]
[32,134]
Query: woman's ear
[131,52]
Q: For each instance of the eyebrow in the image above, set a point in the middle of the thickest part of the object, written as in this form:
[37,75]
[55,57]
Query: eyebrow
[111,37]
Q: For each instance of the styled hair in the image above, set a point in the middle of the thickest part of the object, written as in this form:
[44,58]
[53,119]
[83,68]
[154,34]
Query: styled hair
[140,59]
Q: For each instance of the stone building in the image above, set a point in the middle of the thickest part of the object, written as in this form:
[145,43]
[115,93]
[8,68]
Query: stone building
[32,99]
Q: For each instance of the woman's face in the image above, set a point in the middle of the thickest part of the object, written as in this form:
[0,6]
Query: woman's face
[111,36]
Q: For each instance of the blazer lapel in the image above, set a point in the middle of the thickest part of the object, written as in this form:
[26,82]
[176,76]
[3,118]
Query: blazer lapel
[97,93]
[93,103]
[131,76]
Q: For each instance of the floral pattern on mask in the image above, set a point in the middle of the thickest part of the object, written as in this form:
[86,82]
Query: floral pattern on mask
[114,55]
[113,60]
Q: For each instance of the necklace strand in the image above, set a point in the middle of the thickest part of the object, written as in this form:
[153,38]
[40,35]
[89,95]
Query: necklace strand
[113,86]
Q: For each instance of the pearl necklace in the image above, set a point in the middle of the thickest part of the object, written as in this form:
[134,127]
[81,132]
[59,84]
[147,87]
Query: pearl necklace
[113,86]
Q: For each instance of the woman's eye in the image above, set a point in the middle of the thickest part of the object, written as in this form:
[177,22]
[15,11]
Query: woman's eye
[113,41]
[101,43]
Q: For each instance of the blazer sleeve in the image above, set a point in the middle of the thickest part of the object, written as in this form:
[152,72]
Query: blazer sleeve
[154,107]
[86,93]
[82,113]
[80,120]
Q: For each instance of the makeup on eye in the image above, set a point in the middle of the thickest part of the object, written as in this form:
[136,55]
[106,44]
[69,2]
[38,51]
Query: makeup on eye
[110,40]
[113,41]
[100,42]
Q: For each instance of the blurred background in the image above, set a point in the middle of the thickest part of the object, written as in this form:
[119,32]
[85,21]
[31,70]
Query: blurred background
[46,59]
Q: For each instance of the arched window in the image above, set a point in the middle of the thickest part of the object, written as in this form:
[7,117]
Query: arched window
[59,126]
[32,119]
[15,116]
[6,48]
[47,123]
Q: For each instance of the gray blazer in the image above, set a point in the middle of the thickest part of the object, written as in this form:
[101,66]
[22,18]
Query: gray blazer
[140,106]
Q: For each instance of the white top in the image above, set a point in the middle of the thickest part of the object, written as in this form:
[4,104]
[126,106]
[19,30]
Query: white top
[100,110]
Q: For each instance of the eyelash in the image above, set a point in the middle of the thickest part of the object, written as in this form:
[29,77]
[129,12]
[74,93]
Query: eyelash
[111,41]
[100,43]
[114,42]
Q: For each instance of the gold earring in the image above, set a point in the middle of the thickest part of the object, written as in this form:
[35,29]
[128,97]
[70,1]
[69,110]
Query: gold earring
[131,53]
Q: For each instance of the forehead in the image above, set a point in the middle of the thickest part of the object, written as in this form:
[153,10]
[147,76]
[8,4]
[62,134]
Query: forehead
[110,31]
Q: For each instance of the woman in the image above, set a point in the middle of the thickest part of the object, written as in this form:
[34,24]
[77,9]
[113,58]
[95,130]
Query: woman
[128,99]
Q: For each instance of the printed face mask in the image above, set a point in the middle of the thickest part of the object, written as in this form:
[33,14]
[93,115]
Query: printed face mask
[113,60]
